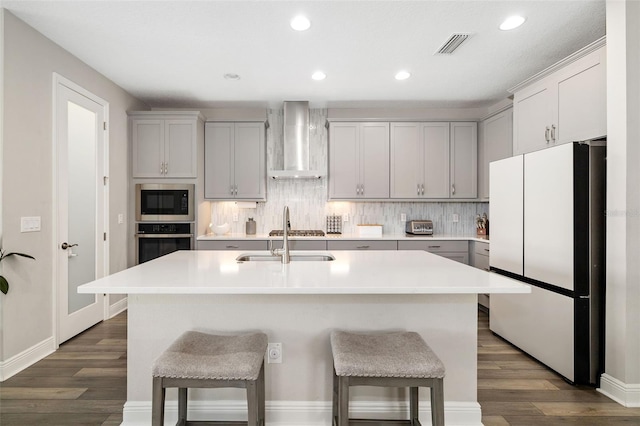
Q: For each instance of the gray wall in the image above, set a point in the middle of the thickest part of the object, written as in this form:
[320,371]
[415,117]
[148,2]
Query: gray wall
[30,59]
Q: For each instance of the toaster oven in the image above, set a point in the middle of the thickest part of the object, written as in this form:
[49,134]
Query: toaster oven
[419,227]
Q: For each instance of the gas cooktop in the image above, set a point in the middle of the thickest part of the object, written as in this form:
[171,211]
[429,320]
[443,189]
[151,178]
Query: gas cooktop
[298,233]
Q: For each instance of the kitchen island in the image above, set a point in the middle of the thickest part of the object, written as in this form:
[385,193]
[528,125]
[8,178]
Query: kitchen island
[298,305]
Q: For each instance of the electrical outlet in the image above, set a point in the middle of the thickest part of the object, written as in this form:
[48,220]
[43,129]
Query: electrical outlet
[345,217]
[120,218]
[235,217]
[403,217]
[274,353]
[456,218]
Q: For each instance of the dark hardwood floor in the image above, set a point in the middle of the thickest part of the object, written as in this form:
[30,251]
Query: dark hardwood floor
[84,383]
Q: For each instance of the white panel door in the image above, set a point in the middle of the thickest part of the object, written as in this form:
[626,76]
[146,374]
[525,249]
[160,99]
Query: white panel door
[548,216]
[249,164]
[180,148]
[219,157]
[407,160]
[374,160]
[540,323]
[81,200]
[435,139]
[343,160]
[507,214]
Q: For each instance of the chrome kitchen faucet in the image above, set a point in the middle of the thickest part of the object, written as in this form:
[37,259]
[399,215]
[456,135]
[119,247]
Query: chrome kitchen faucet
[284,251]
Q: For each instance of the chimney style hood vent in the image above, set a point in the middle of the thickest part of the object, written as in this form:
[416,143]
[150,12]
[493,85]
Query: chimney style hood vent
[296,143]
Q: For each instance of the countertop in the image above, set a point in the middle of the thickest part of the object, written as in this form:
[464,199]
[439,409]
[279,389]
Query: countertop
[392,237]
[352,272]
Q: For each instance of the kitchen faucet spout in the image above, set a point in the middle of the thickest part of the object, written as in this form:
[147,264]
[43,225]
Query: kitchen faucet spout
[286,226]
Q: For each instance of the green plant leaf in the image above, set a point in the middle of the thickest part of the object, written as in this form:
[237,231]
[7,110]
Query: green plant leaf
[4,285]
[19,254]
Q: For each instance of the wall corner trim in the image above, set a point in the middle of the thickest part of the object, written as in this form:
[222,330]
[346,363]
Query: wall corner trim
[26,358]
[622,393]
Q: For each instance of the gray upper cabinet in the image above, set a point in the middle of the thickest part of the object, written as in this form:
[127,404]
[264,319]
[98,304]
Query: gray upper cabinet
[464,160]
[435,160]
[235,161]
[358,161]
[164,145]
[567,104]
[419,160]
[495,143]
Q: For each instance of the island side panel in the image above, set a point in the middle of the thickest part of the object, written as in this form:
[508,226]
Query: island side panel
[302,324]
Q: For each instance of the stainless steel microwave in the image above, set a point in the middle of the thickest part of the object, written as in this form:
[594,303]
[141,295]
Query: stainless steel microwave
[159,202]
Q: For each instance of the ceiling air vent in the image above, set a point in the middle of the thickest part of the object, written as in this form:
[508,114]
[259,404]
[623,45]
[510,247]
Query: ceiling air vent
[452,43]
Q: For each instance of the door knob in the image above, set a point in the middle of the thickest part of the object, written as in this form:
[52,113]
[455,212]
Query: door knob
[65,246]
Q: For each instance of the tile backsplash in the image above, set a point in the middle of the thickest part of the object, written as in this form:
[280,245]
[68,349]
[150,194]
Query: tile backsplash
[307,198]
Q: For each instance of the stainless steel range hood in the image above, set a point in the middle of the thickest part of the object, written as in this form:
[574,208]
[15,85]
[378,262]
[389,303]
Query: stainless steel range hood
[296,143]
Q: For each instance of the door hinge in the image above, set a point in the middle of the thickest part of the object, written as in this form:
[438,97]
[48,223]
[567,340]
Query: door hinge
[105,179]
[104,237]
[104,125]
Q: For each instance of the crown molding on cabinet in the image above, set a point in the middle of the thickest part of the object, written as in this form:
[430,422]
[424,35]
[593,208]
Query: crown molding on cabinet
[602,41]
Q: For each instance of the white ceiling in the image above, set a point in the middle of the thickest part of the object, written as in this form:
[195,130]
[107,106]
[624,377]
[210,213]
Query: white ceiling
[175,53]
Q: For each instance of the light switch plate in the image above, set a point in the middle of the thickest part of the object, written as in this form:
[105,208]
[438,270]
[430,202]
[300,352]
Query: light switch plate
[30,224]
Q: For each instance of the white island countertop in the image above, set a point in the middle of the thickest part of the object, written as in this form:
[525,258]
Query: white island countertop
[352,272]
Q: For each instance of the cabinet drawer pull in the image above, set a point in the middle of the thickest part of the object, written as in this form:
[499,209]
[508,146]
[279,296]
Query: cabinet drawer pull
[362,247]
[434,246]
[486,249]
[233,247]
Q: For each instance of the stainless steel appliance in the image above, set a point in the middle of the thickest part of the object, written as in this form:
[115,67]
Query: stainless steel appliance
[157,239]
[548,230]
[419,227]
[161,202]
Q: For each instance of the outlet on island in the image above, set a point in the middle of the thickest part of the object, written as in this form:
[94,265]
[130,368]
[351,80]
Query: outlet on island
[274,353]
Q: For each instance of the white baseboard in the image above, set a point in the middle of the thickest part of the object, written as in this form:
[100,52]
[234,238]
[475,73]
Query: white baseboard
[118,307]
[26,358]
[298,413]
[622,393]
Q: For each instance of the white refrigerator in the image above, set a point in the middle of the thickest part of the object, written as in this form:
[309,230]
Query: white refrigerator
[548,230]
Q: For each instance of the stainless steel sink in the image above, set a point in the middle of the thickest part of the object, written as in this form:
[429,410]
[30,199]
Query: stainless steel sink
[311,257]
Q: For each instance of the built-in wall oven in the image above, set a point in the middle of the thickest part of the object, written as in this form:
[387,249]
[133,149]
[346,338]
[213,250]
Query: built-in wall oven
[164,219]
[157,239]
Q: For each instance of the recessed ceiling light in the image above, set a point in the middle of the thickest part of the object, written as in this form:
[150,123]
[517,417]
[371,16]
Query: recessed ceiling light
[300,23]
[403,75]
[512,22]
[231,76]
[319,75]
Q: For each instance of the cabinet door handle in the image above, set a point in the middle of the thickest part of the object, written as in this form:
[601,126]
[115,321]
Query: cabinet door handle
[434,246]
[235,191]
[453,189]
[418,189]
[486,249]
[362,247]
[546,134]
[362,189]
[231,190]
[232,247]
[161,168]
[166,168]
[423,189]
[553,132]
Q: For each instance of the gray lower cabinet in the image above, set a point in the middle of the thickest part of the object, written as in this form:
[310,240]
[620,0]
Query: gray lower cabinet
[362,245]
[454,250]
[480,259]
[233,245]
[302,244]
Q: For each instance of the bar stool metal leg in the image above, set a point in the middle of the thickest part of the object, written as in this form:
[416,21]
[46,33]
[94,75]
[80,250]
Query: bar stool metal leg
[413,406]
[334,409]
[261,397]
[252,403]
[157,405]
[437,403]
[343,401]
[182,406]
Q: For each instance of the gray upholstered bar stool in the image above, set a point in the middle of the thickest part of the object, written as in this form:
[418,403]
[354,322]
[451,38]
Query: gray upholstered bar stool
[390,359]
[200,360]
